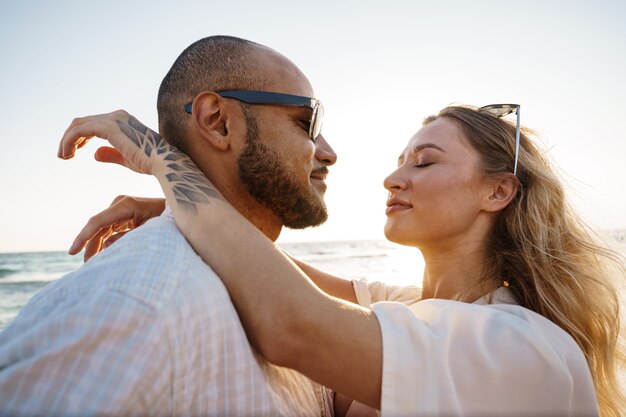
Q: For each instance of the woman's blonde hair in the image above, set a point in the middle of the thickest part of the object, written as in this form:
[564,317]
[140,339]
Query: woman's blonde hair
[547,254]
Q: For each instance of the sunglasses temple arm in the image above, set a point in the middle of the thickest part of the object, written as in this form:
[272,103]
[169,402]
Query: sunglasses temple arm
[517,133]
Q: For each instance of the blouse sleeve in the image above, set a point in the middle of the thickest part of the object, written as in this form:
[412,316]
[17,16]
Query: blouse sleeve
[443,357]
[368,293]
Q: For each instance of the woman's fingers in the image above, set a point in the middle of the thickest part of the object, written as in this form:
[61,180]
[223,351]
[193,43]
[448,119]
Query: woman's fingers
[60,151]
[96,242]
[105,238]
[78,134]
[133,141]
[118,199]
[82,142]
[111,155]
[115,215]
[113,238]
[124,213]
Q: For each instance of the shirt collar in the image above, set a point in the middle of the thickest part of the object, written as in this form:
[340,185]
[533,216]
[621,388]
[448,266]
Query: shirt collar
[502,295]
[167,212]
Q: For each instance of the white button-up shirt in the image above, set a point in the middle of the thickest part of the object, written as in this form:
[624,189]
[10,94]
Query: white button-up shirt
[144,328]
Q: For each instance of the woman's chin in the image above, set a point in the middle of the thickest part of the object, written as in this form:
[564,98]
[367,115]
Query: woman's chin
[402,236]
[396,236]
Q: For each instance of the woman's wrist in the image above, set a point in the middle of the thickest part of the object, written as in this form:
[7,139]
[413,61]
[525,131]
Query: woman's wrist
[182,181]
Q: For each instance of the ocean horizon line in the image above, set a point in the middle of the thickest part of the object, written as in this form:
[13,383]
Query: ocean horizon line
[618,234]
[279,242]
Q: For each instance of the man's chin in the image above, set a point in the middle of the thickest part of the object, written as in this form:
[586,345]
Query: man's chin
[316,216]
[302,226]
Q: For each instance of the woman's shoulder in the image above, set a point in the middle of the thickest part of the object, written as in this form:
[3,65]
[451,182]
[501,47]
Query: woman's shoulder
[532,325]
[494,358]
[501,321]
[514,354]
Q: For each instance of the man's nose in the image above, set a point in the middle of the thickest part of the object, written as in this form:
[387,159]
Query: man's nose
[323,151]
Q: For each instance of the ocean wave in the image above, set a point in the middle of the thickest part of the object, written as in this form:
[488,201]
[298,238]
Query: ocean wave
[4,272]
[330,256]
[29,277]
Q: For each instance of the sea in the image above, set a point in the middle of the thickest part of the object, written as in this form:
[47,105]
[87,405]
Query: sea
[23,274]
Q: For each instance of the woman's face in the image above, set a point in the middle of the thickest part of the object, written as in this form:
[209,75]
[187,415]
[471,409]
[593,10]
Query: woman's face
[436,194]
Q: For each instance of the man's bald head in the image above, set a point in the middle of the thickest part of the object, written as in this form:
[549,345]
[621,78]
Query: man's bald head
[211,64]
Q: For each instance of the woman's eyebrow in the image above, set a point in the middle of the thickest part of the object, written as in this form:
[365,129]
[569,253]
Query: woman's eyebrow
[418,148]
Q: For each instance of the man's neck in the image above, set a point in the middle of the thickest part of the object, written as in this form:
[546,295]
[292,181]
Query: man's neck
[234,192]
[260,216]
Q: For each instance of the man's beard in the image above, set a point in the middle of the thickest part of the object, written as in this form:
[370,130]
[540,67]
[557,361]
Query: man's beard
[269,181]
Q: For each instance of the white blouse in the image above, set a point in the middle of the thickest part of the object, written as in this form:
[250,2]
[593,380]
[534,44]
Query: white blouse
[489,358]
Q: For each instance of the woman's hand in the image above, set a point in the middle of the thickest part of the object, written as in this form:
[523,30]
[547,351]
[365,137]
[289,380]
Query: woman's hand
[134,143]
[142,150]
[124,214]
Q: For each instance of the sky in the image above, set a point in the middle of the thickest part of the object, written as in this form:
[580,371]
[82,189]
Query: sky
[378,67]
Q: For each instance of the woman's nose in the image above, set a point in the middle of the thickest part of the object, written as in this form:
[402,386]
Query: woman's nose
[395,181]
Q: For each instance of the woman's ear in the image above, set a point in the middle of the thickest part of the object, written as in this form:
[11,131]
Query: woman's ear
[502,191]
[210,114]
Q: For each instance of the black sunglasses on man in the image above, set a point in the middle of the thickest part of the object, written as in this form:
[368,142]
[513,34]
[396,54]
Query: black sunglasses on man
[278,99]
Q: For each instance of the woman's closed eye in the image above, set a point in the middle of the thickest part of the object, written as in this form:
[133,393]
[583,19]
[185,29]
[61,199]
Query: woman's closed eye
[423,164]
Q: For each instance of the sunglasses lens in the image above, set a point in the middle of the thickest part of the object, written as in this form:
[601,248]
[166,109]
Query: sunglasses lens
[499,110]
[316,123]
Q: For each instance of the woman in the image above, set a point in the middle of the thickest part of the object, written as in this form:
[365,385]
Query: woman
[516,317]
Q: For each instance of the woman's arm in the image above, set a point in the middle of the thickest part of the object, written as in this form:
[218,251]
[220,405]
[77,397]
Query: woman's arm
[287,318]
[330,284]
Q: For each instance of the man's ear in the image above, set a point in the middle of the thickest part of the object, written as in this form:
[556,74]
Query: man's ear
[502,190]
[211,114]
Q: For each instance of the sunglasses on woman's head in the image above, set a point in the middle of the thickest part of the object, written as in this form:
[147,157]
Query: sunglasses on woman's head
[278,99]
[501,110]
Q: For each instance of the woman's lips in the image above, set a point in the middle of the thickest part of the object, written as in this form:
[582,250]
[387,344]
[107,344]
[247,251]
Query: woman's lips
[395,205]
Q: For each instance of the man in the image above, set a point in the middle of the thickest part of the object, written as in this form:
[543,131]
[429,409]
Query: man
[146,328]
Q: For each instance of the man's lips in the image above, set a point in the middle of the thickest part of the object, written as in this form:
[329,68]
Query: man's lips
[395,204]
[320,174]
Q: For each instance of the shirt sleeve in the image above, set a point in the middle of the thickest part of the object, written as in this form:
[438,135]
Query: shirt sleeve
[443,357]
[368,293]
[104,354]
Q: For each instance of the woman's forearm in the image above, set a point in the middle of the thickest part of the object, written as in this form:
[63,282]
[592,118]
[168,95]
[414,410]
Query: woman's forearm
[330,284]
[287,318]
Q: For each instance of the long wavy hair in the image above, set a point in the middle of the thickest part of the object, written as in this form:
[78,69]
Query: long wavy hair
[547,254]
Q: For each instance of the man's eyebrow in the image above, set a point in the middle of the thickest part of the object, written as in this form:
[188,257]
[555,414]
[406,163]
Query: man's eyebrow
[299,110]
